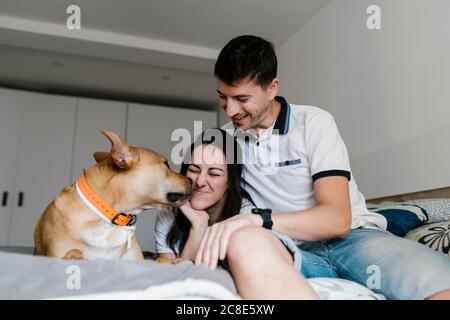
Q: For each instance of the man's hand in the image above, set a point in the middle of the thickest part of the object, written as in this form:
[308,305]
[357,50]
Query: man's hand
[215,240]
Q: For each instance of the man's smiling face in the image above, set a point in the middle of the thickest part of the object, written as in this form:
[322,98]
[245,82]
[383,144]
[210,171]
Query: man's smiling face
[245,102]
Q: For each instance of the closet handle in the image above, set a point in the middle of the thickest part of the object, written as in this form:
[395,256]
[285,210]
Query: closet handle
[5,199]
[20,202]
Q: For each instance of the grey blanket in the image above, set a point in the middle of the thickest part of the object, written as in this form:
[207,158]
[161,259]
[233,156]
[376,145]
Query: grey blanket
[24,276]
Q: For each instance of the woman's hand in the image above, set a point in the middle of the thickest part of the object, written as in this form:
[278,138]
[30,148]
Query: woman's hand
[199,224]
[198,218]
[215,240]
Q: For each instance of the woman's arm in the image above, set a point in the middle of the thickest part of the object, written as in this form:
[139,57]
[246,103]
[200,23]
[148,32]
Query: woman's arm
[164,221]
[199,224]
[190,248]
[193,242]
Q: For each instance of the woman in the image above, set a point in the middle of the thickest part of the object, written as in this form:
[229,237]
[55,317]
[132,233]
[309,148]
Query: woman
[216,196]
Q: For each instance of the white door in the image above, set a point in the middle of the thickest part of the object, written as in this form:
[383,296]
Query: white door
[152,127]
[44,163]
[11,102]
[92,117]
[195,121]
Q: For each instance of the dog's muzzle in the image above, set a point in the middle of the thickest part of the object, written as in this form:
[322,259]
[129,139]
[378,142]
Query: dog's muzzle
[175,196]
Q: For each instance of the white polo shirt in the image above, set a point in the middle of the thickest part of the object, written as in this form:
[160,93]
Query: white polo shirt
[303,145]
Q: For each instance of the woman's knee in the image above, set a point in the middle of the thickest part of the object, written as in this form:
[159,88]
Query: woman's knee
[255,244]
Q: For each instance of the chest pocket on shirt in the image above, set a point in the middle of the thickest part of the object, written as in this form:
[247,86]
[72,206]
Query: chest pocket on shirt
[294,173]
[289,163]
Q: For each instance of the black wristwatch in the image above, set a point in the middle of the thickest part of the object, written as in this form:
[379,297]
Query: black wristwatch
[266,215]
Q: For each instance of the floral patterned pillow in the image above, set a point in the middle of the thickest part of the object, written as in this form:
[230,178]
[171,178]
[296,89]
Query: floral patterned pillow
[434,235]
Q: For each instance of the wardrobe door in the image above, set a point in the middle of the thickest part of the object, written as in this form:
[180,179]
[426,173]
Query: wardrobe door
[150,127]
[10,118]
[92,117]
[44,162]
[194,121]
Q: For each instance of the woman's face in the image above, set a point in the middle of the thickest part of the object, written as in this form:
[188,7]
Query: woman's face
[208,172]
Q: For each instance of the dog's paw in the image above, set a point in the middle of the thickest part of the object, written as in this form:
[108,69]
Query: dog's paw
[170,261]
[149,255]
[74,254]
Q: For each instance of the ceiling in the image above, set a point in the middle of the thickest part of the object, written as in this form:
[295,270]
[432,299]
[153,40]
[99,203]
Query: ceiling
[150,51]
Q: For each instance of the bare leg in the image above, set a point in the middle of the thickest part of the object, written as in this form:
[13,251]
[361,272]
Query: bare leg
[443,295]
[263,268]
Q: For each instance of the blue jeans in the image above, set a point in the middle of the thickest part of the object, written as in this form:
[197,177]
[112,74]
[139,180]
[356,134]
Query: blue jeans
[395,267]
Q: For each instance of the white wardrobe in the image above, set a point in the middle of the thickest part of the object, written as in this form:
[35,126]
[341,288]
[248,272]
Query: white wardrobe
[46,141]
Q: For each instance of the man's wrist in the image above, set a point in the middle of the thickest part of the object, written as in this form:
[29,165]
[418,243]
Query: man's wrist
[266,217]
[257,220]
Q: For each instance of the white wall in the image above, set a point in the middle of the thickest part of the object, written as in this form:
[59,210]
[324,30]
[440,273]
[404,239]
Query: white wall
[388,89]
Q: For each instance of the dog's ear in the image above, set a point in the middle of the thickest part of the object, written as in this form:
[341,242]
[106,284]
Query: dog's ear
[121,153]
[100,156]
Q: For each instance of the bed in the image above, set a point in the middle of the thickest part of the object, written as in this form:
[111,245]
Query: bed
[25,276]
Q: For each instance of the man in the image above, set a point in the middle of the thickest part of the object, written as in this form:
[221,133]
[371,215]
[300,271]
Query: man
[317,208]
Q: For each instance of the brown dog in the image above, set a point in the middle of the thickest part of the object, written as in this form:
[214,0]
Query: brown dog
[94,218]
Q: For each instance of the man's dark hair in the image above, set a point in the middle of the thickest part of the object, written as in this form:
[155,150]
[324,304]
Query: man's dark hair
[247,56]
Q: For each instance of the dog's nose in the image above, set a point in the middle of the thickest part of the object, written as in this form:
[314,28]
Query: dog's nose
[177,196]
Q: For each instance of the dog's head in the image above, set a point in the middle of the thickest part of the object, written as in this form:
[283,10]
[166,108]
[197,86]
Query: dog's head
[142,175]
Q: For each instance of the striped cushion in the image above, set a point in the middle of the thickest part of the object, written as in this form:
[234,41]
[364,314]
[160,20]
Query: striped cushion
[401,218]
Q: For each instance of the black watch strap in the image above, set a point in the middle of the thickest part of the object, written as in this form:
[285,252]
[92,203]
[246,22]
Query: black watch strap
[266,215]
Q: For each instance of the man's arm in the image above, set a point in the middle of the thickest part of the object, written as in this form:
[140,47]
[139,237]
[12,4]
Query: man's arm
[330,218]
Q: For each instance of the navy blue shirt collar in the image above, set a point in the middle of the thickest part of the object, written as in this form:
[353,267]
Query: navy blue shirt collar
[282,122]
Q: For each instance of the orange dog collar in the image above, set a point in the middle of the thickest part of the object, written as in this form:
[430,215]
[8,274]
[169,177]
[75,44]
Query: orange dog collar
[95,202]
